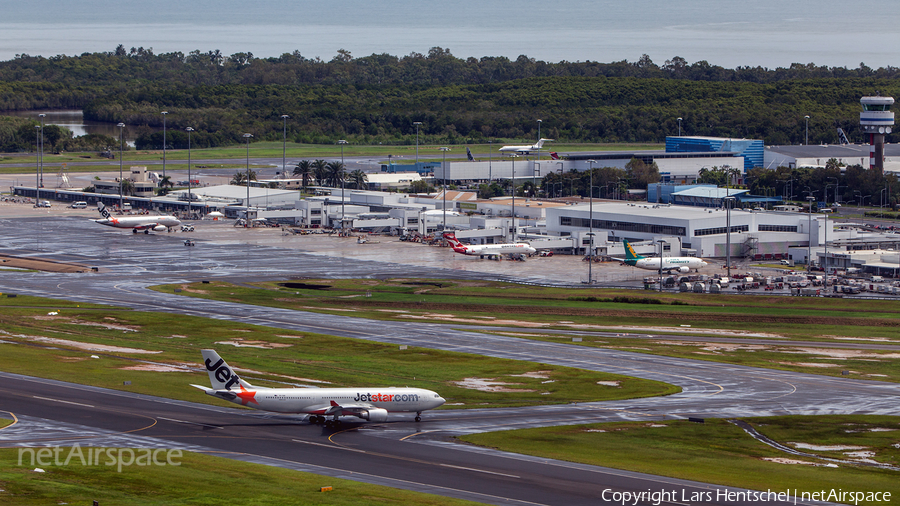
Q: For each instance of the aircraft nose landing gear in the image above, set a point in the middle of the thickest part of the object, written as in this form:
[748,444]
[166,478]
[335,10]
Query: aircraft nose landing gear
[418,416]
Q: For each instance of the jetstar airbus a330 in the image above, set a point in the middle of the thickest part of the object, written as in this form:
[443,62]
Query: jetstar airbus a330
[488,250]
[159,223]
[372,404]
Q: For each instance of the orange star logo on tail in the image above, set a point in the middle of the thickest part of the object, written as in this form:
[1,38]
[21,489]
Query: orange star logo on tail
[246,396]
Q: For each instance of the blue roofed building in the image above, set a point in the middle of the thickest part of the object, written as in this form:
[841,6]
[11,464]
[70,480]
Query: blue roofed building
[752,151]
[705,195]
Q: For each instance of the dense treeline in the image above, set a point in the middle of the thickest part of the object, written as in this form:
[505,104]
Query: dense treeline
[377,98]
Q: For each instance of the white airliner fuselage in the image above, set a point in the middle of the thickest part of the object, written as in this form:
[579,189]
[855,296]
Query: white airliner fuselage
[371,404]
[158,223]
[524,150]
[483,250]
[680,264]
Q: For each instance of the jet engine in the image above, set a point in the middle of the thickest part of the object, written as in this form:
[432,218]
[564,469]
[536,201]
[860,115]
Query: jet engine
[374,415]
[160,228]
[684,269]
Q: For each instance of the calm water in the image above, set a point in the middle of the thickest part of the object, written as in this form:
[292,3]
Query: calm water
[74,121]
[730,33]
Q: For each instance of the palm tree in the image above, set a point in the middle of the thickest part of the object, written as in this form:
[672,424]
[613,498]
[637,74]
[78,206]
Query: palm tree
[127,187]
[240,178]
[358,179]
[335,173]
[304,170]
[320,171]
[166,181]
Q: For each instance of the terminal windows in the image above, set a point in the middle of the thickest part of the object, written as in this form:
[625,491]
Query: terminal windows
[625,226]
[778,228]
[720,230]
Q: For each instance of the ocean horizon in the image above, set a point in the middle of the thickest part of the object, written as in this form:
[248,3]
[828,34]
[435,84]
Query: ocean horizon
[727,33]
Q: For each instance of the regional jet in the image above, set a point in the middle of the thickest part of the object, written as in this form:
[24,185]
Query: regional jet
[525,150]
[678,264]
[159,223]
[489,250]
[366,403]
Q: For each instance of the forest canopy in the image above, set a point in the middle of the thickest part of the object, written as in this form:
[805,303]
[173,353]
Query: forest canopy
[376,99]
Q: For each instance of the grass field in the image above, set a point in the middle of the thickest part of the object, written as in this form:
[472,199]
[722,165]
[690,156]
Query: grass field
[721,453]
[771,319]
[198,480]
[38,343]
[402,154]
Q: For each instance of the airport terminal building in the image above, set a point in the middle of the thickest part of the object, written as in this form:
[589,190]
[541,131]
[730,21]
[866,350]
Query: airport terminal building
[700,231]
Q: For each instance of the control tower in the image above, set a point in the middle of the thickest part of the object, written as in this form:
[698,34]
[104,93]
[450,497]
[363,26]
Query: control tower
[876,120]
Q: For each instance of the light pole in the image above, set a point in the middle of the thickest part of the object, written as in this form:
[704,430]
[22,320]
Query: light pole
[42,148]
[248,136]
[679,127]
[490,157]
[444,150]
[342,142]
[825,258]
[591,223]
[807,129]
[534,173]
[189,130]
[661,242]
[729,203]
[810,198]
[37,164]
[862,198]
[417,123]
[164,113]
[121,149]
[539,139]
[836,188]
[284,118]
[513,197]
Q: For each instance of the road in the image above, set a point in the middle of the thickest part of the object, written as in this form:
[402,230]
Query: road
[402,453]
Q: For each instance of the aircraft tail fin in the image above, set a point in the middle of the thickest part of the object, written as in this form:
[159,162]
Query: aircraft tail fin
[103,210]
[221,375]
[540,143]
[629,252]
[554,155]
[451,238]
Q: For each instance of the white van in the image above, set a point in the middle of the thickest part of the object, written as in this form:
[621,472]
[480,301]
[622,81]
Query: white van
[79,205]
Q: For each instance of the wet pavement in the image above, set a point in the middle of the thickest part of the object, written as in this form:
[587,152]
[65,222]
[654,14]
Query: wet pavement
[128,263]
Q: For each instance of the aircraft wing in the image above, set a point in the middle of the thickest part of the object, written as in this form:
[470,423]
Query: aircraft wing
[142,226]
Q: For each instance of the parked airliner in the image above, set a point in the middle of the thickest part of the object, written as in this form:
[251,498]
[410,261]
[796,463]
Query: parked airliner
[679,264]
[483,250]
[159,223]
[366,403]
[524,150]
